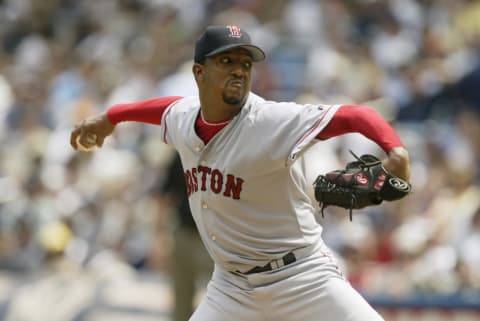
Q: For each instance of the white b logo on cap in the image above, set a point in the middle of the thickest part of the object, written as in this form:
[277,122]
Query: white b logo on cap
[235,31]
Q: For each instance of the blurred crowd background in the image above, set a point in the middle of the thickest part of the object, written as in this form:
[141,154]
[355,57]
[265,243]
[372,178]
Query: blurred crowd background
[106,213]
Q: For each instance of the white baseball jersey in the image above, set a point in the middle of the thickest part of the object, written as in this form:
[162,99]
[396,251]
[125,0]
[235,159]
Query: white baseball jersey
[248,200]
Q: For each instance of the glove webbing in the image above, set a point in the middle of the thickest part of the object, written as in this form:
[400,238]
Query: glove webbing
[334,188]
[362,161]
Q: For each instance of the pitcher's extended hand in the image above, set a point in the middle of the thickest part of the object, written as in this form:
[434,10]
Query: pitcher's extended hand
[91,133]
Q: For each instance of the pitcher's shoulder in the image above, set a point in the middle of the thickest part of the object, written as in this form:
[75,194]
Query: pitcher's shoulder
[185,105]
[187,102]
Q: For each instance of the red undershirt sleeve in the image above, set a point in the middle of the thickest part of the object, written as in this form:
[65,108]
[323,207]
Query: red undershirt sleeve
[363,120]
[148,111]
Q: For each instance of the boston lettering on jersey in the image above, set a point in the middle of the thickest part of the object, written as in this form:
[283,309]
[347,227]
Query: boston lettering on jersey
[204,178]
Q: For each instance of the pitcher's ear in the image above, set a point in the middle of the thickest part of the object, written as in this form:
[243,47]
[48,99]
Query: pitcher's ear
[198,71]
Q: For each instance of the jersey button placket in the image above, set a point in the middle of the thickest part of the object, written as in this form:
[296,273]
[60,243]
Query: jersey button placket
[206,210]
[213,237]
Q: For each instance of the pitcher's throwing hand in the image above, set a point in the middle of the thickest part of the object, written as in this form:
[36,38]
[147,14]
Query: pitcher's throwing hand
[91,133]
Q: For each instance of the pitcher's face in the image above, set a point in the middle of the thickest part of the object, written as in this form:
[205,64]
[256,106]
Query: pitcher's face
[229,74]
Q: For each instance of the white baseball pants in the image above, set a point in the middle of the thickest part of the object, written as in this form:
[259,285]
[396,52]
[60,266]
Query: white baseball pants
[310,289]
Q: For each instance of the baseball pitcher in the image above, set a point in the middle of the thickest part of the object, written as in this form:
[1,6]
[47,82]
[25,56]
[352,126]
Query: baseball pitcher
[247,195]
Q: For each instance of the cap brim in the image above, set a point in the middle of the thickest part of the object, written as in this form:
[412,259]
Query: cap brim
[257,53]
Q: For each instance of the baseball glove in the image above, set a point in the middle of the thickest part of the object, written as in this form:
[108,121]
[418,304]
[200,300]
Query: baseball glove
[364,182]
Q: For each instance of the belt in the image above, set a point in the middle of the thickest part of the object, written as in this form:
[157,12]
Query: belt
[289,258]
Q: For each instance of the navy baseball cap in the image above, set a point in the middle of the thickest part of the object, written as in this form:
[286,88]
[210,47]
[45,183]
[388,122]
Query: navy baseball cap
[216,39]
